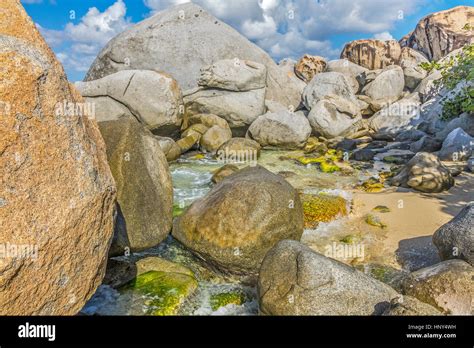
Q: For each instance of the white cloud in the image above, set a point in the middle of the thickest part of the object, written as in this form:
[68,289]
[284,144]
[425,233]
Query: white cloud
[294,27]
[384,36]
[84,40]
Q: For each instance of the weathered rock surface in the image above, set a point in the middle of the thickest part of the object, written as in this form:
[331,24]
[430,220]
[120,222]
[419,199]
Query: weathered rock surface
[56,190]
[283,129]
[214,138]
[239,109]
[171,150]
[442,32]
[308,66]
[372,54]
[410,306]
[295,280]
[426,144]
[458,146]
[349,69]
[465,122]
[324,84]
[145,191]
[153,98]
[334,116]
[240,219]
[411,58]
[234,75]
[207,120]
[447,286]
[455,240]
[425,173]
[433,109]
[223,172]
[387,87]
[181,40]
[396,118]
[241,148]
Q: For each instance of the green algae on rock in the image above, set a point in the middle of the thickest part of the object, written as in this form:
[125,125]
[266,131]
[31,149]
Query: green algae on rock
[381,209]
[226,298]
[165,292]
[374,220]
[351,239]
[322,208]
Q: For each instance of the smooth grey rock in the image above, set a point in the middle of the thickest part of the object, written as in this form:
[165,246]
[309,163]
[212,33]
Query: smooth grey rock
[465,121]
[457,146]
[234,75]
[387,87]
[447,286]
[324,84]
[334,116]
[283,129]
[154,98]
[426,144]
[455,239]
[363,155]
[413,76]
[396,118]
[180,41]
[410,135]
[295,280]
[239,109]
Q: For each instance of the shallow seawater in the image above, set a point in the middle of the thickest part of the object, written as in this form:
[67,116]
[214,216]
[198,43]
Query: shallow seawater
[192,180]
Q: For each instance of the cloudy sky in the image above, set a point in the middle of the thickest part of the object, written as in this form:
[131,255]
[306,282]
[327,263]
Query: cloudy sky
[78,29]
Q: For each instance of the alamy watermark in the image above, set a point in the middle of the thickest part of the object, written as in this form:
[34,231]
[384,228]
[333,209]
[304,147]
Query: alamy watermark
[18,251]
[73,109]
[227,156]
[342,251]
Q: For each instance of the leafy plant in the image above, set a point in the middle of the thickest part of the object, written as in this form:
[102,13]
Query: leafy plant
[454,70]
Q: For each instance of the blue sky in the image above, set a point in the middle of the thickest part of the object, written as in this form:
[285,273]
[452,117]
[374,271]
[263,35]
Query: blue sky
[78,29]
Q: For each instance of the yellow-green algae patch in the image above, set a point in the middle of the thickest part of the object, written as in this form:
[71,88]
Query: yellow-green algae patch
[164,292]
[381,209]
[322,208]
[223,299]
[374,220]
[327,163]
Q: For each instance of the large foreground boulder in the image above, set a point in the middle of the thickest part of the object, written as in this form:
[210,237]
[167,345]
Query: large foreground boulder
[372,54]
[283,129]
[425,173]
[442,32]
[448,286]
[145,191]
[56,190]
[151,97]
[295,280]
[240,219]
[455,240]
[181,40]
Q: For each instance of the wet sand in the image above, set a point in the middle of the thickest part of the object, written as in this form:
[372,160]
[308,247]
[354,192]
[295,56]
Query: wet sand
[413,218]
